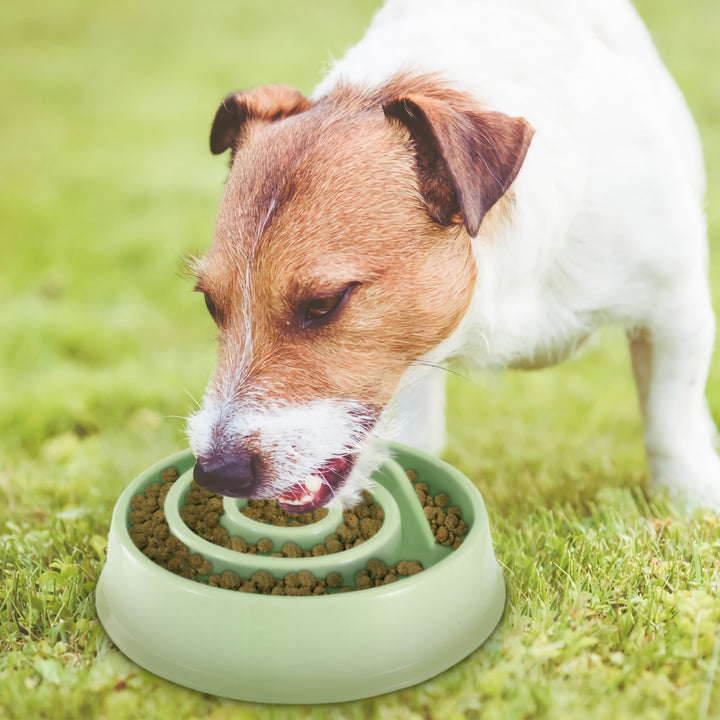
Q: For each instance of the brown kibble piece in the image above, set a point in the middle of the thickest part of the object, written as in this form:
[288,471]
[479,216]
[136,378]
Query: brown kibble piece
[170,475]
[292,580]
[369,527]
[442,500]
[263,580]
[347,534]
[307,579]
[334,580]
[292,550]
[363,580]
[409,567]
[230,580]
[265,545]
[377,567]
[153,490]
[237,544]
[334,544]
[451,521]
[442,535]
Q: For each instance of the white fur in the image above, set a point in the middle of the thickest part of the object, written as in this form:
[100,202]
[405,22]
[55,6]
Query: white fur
[607,223]
[606,226]
[294,439]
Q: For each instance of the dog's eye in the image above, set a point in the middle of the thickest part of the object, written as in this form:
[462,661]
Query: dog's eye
[212,309]
[322,309]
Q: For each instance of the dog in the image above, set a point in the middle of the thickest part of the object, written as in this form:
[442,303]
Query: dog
[486,181]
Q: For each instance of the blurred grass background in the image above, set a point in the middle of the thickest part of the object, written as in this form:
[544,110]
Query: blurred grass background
[106,183]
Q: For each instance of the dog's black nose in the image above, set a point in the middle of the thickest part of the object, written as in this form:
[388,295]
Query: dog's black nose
[235,475]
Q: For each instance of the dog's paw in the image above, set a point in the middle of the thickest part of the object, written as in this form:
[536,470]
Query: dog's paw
[691,485]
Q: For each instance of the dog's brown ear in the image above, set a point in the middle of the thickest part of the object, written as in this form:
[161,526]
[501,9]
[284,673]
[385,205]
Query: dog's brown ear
[466,158]
[269,102]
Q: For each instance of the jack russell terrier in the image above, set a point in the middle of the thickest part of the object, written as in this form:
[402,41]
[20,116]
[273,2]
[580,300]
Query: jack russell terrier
[489,180]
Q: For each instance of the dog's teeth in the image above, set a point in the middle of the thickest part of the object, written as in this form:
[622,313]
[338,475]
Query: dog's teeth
[313,483]
[296,501]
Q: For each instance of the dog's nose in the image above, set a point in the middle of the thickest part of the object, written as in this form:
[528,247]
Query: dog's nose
[236,475]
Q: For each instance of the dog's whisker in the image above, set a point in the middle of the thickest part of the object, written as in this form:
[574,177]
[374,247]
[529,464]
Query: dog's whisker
[438,366]
[192,397]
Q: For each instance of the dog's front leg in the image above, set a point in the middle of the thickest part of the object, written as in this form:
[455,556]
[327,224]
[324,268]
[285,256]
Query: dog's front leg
[670,361]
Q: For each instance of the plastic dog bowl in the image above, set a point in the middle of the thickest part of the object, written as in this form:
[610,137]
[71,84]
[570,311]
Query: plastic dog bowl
[328,648]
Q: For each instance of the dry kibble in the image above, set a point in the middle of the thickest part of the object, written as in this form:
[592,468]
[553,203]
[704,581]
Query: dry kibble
[378,568]
[307,579]
[265,545]
[442,500]
[451,521]
[263,580]
[334,544]
[291,550]
[409,567]
[169,476]
[202,511]
[347,534]
[237,544]
[363,580]
[334,580]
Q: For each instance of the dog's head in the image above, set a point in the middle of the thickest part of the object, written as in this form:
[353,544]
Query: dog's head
[342,255]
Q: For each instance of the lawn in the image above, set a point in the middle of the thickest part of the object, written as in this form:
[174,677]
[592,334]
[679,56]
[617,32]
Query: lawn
[107,183]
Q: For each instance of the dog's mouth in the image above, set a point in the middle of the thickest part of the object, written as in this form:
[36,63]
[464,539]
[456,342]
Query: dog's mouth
[319,488]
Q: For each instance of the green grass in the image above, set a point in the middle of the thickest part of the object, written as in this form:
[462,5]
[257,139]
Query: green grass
[106,183]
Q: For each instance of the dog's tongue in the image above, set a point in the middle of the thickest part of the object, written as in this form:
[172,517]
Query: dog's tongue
[316,490]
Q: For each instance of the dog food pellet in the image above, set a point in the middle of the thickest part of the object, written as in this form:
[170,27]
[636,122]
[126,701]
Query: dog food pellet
[148,529]
[333,544]
[334,580]
[412,476]
[409,567]
[265,545]
[363,580]
[263,580]
[292,550]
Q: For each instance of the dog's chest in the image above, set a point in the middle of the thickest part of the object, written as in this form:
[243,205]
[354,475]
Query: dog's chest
[521,319]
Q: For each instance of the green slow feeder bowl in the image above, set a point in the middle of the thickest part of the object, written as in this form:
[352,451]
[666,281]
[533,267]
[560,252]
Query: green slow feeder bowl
[328,648]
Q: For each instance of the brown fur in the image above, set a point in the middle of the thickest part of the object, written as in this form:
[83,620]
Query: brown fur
[355,188]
